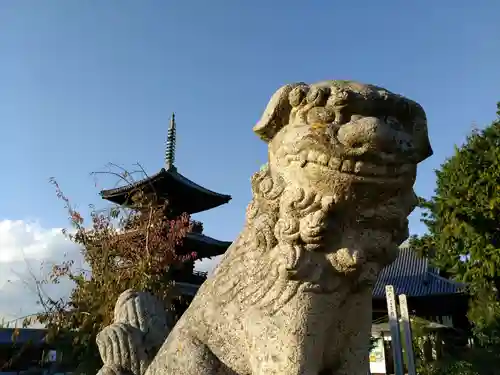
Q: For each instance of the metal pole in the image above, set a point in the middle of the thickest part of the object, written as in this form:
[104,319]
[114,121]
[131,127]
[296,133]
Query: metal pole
[405,317]
[395,333]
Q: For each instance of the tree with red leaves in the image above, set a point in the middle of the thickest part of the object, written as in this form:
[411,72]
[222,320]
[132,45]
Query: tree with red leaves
[122,249]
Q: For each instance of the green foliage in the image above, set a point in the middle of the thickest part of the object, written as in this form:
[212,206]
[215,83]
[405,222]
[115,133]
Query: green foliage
[464,229]
[451,367]
[452,359]
[478,361]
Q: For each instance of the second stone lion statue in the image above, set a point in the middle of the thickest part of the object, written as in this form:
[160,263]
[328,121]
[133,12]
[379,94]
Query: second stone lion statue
[292,295]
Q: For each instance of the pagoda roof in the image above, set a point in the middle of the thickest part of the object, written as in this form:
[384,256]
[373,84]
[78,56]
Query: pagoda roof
[183,194]
[412,275]
[204,246]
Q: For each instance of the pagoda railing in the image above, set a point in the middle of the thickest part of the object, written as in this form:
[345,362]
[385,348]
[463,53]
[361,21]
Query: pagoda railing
[201,274]
[195,227]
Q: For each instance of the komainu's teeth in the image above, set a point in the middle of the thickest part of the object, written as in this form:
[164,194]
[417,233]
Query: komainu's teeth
[361,168]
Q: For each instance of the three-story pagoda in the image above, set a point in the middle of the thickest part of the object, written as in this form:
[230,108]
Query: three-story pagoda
[183,196]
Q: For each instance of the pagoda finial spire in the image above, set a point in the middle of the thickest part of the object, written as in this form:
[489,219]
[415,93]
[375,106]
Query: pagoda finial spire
[170,144]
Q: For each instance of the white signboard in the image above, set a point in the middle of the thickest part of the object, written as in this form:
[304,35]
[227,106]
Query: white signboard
[377,357]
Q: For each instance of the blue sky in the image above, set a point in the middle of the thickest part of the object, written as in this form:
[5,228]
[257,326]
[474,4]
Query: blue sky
[84,83]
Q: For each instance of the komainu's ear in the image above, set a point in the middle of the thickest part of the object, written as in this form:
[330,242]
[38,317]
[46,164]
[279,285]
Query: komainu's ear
[277,113]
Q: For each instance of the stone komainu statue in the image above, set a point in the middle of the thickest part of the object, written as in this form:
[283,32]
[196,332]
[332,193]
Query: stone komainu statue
[140,326]
[292,295]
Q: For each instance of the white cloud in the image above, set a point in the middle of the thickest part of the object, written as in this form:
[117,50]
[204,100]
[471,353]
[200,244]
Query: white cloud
[26,252]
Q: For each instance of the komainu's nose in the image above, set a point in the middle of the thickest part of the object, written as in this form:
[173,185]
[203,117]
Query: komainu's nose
[376,135]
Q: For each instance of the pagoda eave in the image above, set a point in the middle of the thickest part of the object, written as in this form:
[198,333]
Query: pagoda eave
[203,246]
[182,194]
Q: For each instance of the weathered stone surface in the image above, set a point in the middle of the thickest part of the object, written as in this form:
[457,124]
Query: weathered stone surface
[146,313]
[139,327]
[292,295]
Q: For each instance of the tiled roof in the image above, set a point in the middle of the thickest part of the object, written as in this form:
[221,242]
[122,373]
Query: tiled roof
[134,185]
[207,239]
[204,246]
[194,185]
[184,194]
[172,173]
[412,275]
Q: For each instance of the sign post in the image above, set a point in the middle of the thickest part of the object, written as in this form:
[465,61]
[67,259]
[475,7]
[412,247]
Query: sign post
[405,318]
[395,332]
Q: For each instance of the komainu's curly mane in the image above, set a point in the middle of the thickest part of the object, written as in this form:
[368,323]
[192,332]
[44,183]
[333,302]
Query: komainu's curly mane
[250,268]
[269,261]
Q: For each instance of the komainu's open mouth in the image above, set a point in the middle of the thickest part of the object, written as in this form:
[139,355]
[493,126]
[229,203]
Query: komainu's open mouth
[352,166]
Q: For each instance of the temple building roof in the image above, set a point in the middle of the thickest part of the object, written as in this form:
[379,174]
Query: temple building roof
[182,194]
[412,275]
